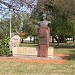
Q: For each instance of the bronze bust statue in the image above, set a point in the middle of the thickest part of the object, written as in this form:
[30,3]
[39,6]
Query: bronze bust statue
[44,23]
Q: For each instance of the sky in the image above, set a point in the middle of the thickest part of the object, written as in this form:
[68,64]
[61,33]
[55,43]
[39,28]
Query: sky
[6,11]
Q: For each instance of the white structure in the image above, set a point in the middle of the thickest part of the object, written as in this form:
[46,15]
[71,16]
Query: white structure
[14,41]
[30,51]
[28,38]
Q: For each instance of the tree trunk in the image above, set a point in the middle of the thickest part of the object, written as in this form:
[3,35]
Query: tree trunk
[22,40]
[73,39]
[52,39]
[30,39]
[34,40]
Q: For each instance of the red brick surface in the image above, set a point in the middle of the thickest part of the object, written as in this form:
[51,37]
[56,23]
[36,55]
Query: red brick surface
[35,59]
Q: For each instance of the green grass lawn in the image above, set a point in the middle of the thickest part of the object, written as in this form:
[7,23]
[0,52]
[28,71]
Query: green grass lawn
[36,69]
[14,68]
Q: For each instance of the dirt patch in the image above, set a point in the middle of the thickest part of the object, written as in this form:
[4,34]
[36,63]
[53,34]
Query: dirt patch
[36,59]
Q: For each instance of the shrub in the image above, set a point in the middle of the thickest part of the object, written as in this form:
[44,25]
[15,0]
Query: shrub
[4,47]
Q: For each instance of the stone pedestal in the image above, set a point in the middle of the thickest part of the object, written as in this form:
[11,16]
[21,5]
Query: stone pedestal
[50,51]
[43,36]
[30,51]
[24,51]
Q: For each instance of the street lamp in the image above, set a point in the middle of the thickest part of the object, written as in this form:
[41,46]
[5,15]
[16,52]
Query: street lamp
[10,23]
[21,26]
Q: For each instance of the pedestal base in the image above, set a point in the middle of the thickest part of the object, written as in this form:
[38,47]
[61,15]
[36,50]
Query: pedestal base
[43,51]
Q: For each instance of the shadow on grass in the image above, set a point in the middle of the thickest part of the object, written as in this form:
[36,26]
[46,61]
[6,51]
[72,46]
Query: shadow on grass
[62,46]
[71,55]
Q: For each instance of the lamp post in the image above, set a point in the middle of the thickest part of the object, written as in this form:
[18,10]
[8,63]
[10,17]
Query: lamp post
[21,26]
[10,23]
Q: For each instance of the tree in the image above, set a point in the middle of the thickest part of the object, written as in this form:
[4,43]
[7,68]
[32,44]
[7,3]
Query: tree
[4,28]
[15,21]
[60,12]
[30,26]
[15,6]
[5,25]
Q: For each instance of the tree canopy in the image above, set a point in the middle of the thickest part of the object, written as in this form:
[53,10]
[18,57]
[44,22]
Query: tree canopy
[16,7]
[60,12]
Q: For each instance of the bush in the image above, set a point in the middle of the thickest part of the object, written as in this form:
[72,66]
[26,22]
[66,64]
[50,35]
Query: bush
[4,48]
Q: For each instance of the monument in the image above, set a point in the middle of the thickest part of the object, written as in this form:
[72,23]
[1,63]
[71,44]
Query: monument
[43,36]
[14,42]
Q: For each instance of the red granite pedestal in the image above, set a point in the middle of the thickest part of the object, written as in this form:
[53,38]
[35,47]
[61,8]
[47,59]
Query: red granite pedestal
[44,36]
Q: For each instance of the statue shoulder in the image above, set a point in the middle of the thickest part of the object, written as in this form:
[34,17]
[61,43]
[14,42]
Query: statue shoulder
[49,21]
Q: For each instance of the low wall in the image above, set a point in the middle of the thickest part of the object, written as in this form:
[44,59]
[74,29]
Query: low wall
[50,51]
[30,51]
[24,51]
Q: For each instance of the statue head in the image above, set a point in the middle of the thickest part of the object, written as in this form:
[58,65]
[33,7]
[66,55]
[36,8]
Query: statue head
[44,16]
